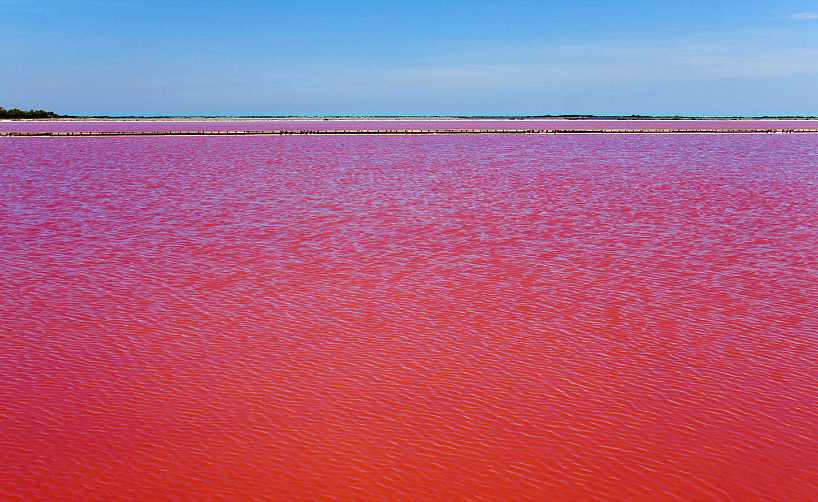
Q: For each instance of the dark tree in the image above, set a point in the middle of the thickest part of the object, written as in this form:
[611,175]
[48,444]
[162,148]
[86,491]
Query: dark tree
[16,113]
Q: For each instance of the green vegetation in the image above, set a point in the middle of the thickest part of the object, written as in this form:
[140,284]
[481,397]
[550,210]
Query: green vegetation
[15,113]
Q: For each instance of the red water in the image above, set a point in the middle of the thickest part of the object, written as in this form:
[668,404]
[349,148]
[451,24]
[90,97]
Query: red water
[322,125]
[500,317]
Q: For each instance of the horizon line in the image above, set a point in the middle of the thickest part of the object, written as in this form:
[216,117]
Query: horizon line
[504,117]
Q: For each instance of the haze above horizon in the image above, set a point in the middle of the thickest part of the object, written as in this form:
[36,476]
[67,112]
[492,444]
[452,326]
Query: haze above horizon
[731,58]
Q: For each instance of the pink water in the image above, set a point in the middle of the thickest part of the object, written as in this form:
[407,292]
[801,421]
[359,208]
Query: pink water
[499,317]
[322,125]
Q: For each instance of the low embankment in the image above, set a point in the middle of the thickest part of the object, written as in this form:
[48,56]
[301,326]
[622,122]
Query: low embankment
[407,131]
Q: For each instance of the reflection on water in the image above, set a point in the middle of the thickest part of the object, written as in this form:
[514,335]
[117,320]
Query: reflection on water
[424,318]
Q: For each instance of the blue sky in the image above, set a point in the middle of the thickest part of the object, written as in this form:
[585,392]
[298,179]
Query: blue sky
[310,57]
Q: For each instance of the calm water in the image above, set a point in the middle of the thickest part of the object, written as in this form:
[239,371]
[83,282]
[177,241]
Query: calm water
[503,317]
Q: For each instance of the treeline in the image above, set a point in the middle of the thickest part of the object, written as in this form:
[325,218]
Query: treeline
[15,113]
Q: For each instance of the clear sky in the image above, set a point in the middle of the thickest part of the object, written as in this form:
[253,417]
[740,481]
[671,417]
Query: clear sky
[436,57]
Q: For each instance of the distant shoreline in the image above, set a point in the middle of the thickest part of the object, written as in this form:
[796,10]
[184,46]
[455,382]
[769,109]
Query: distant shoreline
[397,132]
[336,118]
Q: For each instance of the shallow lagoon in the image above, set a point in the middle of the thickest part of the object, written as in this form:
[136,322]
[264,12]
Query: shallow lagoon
[396,317]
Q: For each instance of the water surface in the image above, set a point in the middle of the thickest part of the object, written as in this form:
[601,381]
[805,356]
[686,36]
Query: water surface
[444,317]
